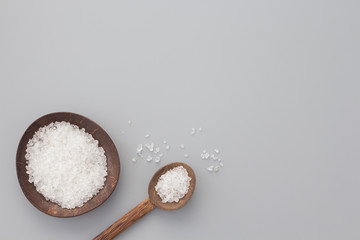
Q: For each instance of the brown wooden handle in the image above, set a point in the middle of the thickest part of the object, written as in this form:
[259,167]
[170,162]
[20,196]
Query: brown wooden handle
[126,221]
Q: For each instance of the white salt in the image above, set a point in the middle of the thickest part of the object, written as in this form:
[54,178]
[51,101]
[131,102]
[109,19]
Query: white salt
[157,150]
[139,149]
[66,164]
[150,146]
[182,146]
[186,155]
[149,158]
[173,185]
[157,159]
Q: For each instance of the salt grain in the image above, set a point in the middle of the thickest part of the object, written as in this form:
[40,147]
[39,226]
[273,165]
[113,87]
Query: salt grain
[66,164]
[182,146]
[149,158]
[139,149]
[150,146]
[133,160]
[216,168]
[210,168]
[147,135]
[173,185]
[157,159]
[167,147]
[186,155]
[157,149]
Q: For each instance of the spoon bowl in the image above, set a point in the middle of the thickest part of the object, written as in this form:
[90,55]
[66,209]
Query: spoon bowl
[155,198]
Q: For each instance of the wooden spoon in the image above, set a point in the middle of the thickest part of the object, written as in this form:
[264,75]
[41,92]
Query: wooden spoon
[149,203]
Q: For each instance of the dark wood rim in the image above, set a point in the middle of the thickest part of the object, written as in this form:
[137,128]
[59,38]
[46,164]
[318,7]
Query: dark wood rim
[155,198]
[113,165]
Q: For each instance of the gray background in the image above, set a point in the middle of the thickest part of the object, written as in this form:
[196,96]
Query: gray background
[274,84]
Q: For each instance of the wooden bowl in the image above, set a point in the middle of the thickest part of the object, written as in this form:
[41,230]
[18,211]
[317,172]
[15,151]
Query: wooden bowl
[112,158]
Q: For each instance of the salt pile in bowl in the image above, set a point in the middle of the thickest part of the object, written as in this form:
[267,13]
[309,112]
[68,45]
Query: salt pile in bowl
[66,164]
[173,185]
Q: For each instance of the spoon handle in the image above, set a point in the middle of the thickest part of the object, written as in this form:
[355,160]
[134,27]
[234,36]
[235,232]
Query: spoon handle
[126,221]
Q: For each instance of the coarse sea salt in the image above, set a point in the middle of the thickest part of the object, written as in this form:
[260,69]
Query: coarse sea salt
[66,164]
[173,185]
[157,159]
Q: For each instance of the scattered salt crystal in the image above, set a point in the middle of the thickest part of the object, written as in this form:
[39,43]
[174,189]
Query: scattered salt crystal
[206,155]
[173,185]
[219,160]
[147,135]
[221,164]
[133,160]
[149,158]
[216,168]
[165,142]
[167,147]
[200,129]
[160,154]
[150,146]
[186,155]
[157,149]
[157,159]
[139,149]
[182,146]
[65,164]
[214,157]
[129,122]
[217,151]
[193,131]
[210,168]
[204,151]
